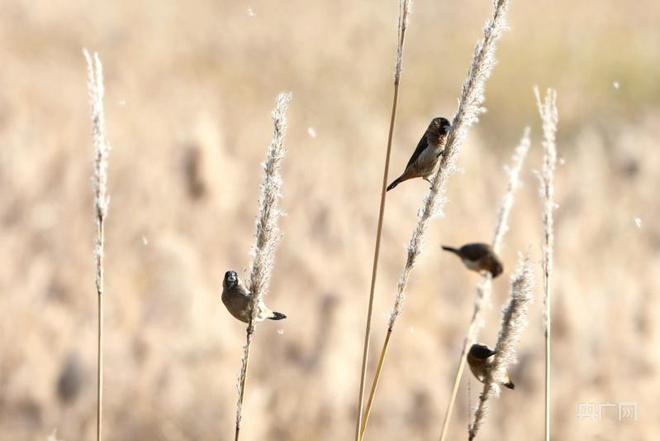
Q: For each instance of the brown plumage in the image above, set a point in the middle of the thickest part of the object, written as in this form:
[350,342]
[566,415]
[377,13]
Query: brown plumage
[236,298]
[478,257]
[480,360]
[426,155]
[71,379]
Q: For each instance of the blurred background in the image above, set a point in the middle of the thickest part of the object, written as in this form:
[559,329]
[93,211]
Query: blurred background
[189,90]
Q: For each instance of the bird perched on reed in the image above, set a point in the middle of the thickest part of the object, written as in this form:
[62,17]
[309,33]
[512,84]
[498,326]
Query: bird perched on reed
[480,359]
[426,155]
[237,298]
[478,257]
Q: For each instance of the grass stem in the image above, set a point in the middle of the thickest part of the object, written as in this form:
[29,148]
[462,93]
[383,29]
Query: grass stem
[550,118]
[101,202]
[374,384]
[403,20]
[266,238]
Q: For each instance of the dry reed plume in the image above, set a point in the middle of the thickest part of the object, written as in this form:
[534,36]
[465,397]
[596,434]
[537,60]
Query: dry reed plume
[404,11]
[469,108]
[484,287]
[550,118]
[101,202]
[514,321]
[266,237]
[517,161]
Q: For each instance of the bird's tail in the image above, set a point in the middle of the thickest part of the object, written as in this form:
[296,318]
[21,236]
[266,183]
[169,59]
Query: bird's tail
[451,250]
[277,316]
[396,182]
[510,385]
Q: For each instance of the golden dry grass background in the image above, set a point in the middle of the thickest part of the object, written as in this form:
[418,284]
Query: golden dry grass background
[189,88]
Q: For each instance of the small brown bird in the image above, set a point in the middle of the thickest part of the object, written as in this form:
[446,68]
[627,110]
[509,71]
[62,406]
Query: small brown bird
[71,379]
[480,359]
[425,157]
[236,298]
[478,257]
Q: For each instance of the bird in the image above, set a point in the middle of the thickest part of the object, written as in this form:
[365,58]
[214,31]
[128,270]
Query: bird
[480,359]
[237,299]
[478,257]
[426,155]
[71,379]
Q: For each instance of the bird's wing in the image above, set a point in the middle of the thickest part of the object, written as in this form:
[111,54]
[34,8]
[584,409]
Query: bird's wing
[421,145]
[474,251]
[477,368]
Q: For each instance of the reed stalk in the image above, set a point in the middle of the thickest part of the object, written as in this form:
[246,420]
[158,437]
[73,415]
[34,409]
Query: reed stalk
[404,11]
[101,202]
[550,118]
[266,238]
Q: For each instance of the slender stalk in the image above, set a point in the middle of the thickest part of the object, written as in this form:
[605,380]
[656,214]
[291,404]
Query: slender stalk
[249,333]
[454,390]
[266,239]
[469,109]
[101,202]
[485,285]
[547,371]
[404,10]
[99,343]
[550,117]
[372,393]
[546,401]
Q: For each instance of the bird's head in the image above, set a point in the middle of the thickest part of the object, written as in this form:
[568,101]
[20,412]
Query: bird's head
[497,268]
[481,352]
[440,126]
[231,279]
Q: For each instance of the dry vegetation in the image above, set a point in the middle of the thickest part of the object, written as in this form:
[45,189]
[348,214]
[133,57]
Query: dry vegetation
[188,91]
